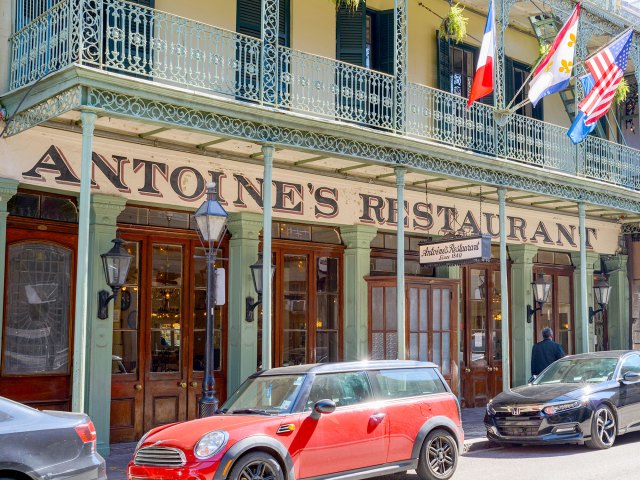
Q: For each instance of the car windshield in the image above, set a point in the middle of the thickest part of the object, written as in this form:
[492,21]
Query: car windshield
[265,395]
[578,370]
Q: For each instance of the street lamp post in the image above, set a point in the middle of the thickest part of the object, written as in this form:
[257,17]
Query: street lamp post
[602,291]
[211,220]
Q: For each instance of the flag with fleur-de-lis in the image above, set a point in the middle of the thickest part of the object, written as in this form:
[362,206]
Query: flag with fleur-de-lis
[554,71]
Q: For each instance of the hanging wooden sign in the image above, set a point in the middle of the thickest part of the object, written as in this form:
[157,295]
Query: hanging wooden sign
[456,251]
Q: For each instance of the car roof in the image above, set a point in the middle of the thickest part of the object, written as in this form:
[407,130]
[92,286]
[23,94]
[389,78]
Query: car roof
[344,367]
[603,354]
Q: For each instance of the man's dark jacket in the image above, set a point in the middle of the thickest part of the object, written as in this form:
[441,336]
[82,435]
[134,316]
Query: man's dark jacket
[544,354]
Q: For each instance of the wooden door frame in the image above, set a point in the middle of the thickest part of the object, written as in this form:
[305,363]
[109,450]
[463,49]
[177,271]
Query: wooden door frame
[314,250]
[556,271]
[382,281]
[60,234]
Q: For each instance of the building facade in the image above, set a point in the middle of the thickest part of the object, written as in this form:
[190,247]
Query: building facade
[120,113]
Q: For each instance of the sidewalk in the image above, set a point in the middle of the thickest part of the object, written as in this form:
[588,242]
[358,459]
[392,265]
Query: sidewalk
[472,422]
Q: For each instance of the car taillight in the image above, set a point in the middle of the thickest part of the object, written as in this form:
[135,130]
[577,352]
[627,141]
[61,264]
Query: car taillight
[87,433]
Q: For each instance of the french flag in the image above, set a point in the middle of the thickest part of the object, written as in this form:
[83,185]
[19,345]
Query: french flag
[483,78]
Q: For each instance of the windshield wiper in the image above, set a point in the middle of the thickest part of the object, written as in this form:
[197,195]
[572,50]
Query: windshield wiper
[256,411]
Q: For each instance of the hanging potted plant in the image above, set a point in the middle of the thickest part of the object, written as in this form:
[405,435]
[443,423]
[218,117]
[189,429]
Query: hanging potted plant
[351,5]
[454,25]
[622,92]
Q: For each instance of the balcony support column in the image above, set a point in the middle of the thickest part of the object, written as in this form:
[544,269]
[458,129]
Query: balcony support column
[267,204]
[504,292]
[400,55]
[88,120]
[270,22]
[584,307]
[502,23]
[400,315]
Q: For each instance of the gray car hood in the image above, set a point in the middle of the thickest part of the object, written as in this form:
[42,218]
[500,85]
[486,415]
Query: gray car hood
[537,394]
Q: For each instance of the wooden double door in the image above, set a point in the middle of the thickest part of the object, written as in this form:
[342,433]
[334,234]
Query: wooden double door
[482,329]
[159,331]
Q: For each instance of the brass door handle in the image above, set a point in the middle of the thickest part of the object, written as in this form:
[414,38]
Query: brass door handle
[182,384]
[467,370]
[137,387]
[194,384]
[489,369]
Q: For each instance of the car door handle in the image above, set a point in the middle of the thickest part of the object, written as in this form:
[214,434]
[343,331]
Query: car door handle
[378,417]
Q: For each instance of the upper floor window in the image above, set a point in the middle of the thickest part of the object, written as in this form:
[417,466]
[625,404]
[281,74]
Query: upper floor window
[365,37]
[249,19]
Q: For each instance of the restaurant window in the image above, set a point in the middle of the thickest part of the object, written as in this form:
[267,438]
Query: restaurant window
[43,206]
[383,259]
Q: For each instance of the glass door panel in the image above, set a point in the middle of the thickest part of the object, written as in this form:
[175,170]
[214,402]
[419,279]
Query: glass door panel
[478,316]
[126,317]
[166,308]
[327,309]
[296,303]
[200,316]
[545,316]
[496,316]
[565,331]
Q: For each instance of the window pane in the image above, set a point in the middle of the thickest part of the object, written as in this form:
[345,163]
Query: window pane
[413,309]
[59,209]
[295,276]
[390,309]
[36,332]
[166,307]
[377,310]
[408,382]
[126,318]
[344,389]
[478,320]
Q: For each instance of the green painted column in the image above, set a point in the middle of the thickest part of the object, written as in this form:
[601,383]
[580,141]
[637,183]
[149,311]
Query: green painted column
[104,213]
[582,336]
[80,334]
[357,239]
[8,188]
[242,343]
[521,295]
[618,308]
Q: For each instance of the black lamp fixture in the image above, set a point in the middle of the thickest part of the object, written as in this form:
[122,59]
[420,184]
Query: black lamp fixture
[116,263]
[211,219]
[541,291]
[256,275]
[601,291]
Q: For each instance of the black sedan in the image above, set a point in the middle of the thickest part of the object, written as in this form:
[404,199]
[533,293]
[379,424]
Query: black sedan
[47,445]
[589,398]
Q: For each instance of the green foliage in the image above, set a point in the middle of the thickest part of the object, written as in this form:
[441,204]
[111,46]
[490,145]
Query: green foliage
[349,4]
[454,24]
[543,49]
[622,92]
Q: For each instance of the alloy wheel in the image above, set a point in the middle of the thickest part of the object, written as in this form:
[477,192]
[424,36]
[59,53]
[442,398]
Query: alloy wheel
[606,426]
[441,456]
[257,470]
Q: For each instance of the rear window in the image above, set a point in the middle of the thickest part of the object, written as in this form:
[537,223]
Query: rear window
[407,382]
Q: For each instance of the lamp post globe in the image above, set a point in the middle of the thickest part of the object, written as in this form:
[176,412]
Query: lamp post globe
[211,220]
[115,263]
[602,291]
[541,289]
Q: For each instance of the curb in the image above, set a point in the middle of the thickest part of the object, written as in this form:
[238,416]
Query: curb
[478,444]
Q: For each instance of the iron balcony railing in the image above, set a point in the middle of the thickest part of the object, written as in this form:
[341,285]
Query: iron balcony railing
[121,37]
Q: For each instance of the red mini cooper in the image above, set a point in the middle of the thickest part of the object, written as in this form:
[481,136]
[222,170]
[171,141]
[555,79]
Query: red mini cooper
[348,420]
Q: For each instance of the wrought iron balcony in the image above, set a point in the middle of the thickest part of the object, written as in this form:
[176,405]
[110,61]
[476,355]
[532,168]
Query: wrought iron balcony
[119,37]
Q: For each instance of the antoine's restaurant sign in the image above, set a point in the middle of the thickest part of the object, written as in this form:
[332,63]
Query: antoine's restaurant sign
[177,180]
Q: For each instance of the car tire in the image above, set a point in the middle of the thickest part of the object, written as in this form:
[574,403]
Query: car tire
[256,466]
[603,429]
[438,456]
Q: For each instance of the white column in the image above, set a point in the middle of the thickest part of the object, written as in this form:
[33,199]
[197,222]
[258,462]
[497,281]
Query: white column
[402,334]
[88,120]
[267,151]
[504,292]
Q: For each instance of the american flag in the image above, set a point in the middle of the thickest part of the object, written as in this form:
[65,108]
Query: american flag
[607,67]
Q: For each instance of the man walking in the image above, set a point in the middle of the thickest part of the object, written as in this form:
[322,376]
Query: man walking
[546,352]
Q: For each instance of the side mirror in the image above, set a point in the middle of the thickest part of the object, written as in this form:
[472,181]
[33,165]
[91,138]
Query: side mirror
[322,407]
[533,377]
[631,377]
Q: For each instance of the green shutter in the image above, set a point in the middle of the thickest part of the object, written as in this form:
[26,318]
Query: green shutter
[509,81]
[350,34]
[444,64]
[384,55]
[249,19]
